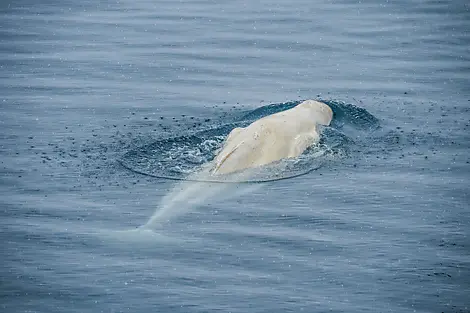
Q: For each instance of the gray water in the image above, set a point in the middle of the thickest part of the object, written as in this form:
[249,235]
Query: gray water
[382,229]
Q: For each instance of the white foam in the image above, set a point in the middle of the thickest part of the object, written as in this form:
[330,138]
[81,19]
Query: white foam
[189,194]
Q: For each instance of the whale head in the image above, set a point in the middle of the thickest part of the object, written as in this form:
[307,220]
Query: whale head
[320,111]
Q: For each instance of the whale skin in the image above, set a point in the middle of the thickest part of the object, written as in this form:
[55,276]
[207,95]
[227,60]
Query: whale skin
[274,137]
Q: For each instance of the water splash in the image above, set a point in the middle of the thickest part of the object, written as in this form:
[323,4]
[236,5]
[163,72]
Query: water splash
[193,192]
[178,158]
[189,158]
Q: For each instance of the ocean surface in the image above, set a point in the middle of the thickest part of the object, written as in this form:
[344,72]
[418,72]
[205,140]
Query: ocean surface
[101,99]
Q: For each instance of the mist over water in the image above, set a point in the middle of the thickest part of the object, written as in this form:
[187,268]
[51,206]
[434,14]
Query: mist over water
[108,108]
[188,195]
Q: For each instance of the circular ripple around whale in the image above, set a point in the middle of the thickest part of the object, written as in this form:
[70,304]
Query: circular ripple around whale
[178,157]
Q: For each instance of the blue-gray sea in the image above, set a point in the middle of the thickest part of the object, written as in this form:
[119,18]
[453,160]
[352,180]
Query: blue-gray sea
[101,99]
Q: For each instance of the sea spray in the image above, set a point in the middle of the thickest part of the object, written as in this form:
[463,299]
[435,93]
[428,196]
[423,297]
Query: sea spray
[197,190]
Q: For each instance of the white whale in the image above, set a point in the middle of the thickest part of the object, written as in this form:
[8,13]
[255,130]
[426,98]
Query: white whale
[281,135]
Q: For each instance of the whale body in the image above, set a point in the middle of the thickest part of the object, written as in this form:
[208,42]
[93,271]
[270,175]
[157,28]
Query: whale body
[274,137]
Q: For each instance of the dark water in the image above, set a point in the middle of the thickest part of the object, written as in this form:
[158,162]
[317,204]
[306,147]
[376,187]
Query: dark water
[383,227]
